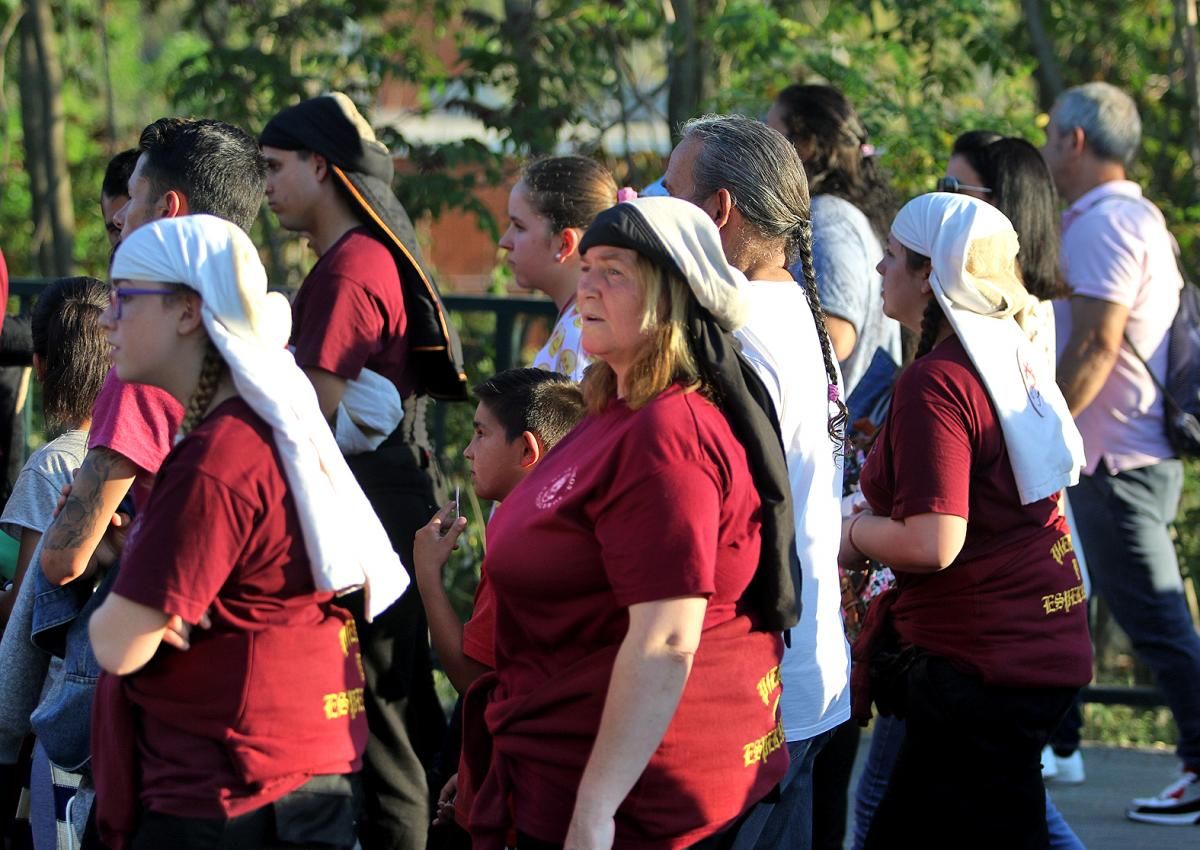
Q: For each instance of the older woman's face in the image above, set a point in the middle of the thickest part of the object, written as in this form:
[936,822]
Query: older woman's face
[610,302]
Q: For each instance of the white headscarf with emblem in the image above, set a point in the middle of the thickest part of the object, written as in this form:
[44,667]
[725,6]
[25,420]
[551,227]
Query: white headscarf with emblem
[973,251]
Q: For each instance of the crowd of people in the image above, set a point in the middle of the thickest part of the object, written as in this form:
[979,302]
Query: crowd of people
[794,454]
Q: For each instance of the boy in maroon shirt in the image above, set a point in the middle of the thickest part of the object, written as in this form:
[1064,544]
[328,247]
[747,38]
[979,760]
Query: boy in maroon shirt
[522,414]
[367,311]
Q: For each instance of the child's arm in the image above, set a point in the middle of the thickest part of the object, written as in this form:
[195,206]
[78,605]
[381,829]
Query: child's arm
[431,550]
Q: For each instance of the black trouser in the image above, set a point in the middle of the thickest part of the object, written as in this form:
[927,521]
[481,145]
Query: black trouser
[969,772]
[404,716]
[317,816]
[720,841]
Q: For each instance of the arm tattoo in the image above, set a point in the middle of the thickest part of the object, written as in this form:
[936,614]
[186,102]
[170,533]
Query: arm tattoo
[78,516]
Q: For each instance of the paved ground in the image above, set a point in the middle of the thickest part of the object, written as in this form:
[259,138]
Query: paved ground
[1096,809]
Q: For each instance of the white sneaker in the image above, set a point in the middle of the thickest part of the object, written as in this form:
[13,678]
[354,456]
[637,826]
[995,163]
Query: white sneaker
[1070,769]
[1178,804]
[1049,763]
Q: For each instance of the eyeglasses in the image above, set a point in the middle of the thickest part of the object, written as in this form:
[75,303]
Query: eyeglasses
[118,297]
[951,184]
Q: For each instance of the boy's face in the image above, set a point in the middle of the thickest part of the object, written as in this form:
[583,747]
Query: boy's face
[496,462]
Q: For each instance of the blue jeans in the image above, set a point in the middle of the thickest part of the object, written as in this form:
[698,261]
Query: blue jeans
[1124,521]
[786,823]
[886,739]
[1062,837]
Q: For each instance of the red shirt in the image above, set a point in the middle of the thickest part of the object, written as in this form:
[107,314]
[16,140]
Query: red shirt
[479,632]
[1011,608]
[137,421]
[349,313]
[232,723]
[631,507]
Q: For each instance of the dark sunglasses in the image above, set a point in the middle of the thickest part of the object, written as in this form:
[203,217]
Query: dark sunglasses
[951,184]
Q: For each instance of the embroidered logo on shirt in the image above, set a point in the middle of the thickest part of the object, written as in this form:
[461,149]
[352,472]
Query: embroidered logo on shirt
[1029,377]
[553,492]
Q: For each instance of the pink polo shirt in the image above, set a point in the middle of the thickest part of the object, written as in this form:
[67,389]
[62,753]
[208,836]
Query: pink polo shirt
[1116,247]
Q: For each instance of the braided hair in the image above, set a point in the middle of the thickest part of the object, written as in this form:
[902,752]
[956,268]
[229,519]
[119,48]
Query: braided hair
[932,318]
[762,172]
[837,422]
[211,370]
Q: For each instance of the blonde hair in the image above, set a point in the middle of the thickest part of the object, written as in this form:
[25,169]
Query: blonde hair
[665,357]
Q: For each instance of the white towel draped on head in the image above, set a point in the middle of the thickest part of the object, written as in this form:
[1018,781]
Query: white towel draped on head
[973,248]
[346,543]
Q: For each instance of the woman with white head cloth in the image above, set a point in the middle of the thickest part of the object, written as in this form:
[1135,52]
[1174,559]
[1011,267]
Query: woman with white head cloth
[983,643]
[217,739]
[651,549]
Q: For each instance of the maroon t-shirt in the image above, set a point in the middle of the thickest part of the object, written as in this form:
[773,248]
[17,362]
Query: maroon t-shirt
[349,313]
[632,507]
[1011,608]
[271,694]
[479,632]
[137,421]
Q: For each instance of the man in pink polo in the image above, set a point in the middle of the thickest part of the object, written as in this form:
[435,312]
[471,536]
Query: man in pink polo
[1119,261]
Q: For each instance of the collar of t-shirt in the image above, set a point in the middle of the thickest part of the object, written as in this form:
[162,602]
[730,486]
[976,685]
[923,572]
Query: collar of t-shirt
[1089,199]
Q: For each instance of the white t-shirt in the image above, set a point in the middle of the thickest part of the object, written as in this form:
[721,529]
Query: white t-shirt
[564,352]
[780,341]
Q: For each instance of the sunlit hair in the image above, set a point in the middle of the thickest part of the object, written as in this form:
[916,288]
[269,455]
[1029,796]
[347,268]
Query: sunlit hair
[68,338]
[665,357]
[569,191]
[546,404]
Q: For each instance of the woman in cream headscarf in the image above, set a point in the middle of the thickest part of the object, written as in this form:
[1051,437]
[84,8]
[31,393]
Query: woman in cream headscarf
[254,521]
[983,643]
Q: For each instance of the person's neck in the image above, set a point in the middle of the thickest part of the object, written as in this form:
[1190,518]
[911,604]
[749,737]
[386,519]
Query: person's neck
[183,393]
[562,291]
[757,262]
[1094,174]
[225,391]
[332,224]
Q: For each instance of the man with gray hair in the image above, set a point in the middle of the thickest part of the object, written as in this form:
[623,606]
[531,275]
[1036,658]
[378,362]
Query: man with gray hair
[1119,261]
[748,178]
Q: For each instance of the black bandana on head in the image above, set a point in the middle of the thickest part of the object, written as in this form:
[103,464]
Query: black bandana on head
[323,125]
[331,126]
[621,226]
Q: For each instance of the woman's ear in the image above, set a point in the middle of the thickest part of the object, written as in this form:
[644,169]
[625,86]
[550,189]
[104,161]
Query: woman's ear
[190,317]
[568,244]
